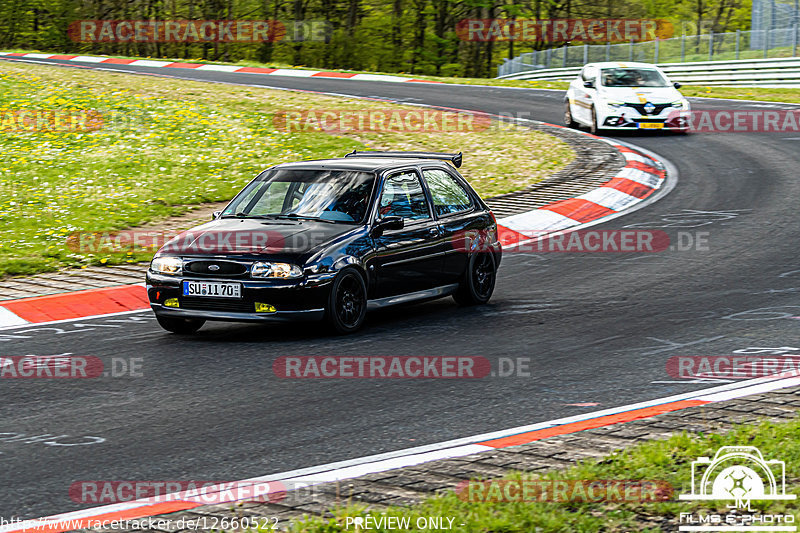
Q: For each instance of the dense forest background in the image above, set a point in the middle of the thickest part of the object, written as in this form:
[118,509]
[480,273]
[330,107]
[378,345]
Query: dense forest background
[409,36]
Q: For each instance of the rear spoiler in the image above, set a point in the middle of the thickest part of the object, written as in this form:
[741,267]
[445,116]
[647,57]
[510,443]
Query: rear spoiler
[453,158]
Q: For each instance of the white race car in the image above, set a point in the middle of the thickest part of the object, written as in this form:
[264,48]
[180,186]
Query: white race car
[625,96]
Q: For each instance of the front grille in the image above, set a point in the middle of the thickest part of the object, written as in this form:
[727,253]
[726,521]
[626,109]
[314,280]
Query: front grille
[640,108]
[224,268]
[218,304]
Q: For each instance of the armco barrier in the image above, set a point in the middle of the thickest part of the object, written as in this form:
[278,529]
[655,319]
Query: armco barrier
[783,72]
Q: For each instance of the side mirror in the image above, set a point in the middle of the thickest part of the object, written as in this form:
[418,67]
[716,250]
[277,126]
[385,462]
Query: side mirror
[677,85]
[385,223]
[215,215]
[589,84]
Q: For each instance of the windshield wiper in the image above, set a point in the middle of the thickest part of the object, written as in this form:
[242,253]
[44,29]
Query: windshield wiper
[296,216]
[245,215]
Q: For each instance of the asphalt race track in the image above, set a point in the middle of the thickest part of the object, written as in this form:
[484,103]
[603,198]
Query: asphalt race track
[594,328]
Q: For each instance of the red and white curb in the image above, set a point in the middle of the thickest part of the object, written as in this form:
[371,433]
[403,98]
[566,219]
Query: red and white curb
[641,176]
[286,481]
[73,305]
[297,73]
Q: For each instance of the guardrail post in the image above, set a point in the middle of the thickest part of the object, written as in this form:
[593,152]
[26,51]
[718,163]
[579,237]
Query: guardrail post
[564,62]
[655,52]
[585,53]
[794,40]
[683,47]
[608,51]
[738,37]
[630,53]
[549,56]
[766,42]
[711,46]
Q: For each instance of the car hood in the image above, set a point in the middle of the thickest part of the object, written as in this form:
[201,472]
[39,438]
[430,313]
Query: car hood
[254,236]
[655,95]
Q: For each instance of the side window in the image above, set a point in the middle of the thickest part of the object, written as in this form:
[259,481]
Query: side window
[448,195]
[403,196]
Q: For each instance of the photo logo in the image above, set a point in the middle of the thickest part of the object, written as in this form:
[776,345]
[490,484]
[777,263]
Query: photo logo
[738,474]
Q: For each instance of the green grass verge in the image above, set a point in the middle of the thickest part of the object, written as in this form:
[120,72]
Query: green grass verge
[165,145]
[668,460]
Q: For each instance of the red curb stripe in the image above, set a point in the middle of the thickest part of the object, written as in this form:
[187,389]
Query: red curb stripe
[117,61]
[79,304]
[508,236]
[579,209]
[130,514]
[608,420]
[332,75]
[644,167]
[61,57]
[16,54]
[633,188]
[627,150]
[257,70]
[183,65]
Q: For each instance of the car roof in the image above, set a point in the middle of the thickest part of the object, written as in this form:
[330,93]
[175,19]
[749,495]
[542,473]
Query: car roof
[368,164]
[623,64]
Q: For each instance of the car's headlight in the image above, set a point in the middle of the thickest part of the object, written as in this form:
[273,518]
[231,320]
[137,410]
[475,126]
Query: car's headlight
[167,265]
[681,104]
[276,270]
[615,105]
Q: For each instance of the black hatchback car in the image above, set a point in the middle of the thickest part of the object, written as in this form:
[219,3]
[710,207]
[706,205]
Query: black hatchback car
[328,239]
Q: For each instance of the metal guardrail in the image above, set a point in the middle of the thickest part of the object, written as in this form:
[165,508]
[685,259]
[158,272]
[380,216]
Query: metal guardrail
[747,72]
[732,46]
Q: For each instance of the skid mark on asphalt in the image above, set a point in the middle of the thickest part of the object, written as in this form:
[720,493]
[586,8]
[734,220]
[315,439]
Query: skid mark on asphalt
[668,345]
[519,308]
[690,218]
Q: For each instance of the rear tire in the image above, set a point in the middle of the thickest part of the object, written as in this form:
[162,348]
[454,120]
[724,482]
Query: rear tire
[478,284]
[181,326]
[568,120]
[347,302]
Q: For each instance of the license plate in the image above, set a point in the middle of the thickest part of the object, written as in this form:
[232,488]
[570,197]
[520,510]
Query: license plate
[651,125]
[212,289]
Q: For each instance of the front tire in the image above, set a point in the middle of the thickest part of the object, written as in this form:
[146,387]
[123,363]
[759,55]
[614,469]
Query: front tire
[181,326]
[347,302]
[593,129]
[478,284]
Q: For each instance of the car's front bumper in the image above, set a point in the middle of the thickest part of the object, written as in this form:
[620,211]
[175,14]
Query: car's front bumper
[629,119]
[236,316]
[303,299]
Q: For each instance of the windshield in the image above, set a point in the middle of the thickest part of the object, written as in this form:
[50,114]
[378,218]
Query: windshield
[331,195]
[632,77]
